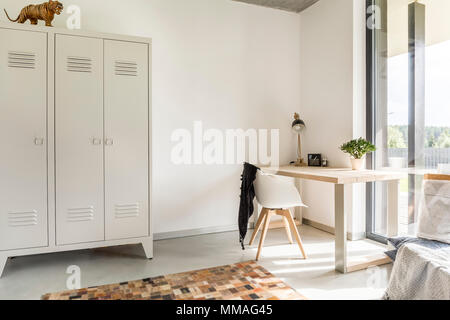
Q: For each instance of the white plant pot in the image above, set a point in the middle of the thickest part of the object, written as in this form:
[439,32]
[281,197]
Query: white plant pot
[397,163]
[357,164]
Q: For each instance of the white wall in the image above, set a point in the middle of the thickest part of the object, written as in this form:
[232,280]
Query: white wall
[332,96]
[228,64]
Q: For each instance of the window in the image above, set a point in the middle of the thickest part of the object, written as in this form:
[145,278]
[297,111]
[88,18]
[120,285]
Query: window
[408,100]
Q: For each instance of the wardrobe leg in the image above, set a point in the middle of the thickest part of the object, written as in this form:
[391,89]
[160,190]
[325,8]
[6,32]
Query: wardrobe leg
[3,260]
[147,244]
[258,225]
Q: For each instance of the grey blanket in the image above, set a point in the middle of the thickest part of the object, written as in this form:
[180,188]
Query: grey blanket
[420,273]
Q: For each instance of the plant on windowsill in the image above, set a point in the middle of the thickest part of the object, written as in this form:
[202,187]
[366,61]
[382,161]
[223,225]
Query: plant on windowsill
[357,149]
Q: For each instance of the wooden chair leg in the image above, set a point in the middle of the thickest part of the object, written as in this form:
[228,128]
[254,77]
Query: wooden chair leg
[264,233]
[3,260]
[262,215]
[288,230]
[291,221]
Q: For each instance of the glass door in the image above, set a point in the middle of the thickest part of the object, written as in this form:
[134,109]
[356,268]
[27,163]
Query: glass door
[408,58]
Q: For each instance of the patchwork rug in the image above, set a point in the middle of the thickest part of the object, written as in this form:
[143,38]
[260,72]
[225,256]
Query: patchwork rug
[241,281]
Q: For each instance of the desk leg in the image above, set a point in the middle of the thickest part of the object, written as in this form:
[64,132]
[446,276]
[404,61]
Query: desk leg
[298,212]
[393,189]
[342,208]
[340,213]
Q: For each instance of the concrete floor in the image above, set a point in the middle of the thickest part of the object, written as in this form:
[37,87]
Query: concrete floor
[30,277]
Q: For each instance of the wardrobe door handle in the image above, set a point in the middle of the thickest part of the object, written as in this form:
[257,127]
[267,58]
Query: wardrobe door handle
[39,141]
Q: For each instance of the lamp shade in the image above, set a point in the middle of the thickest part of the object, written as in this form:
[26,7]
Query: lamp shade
[298,125]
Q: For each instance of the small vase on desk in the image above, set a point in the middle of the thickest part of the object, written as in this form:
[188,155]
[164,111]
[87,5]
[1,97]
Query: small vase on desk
[357,164]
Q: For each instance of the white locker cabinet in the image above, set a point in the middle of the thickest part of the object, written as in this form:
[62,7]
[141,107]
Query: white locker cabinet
[79,136]
[23,139]
[126,140]
[75,139]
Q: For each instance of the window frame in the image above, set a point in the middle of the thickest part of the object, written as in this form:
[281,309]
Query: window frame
[370,126]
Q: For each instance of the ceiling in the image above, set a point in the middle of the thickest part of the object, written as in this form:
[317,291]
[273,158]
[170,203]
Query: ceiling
[288,5]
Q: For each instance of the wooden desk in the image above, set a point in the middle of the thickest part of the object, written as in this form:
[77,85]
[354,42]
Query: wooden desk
[343,180]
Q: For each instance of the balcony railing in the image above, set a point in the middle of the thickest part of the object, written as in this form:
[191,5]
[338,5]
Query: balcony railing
[433,157]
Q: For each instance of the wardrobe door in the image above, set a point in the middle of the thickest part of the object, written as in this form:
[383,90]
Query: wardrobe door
[79,139]
[23,139]
[126,140]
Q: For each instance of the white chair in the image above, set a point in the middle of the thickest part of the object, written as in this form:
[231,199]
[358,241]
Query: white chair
[276,195]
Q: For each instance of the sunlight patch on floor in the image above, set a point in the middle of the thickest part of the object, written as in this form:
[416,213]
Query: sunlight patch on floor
[302,262]
[316,251]
[303,269]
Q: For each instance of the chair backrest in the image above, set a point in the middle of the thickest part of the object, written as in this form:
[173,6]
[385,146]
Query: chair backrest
[275,192]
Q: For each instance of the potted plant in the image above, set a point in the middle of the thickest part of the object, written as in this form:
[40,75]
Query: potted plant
[357,149]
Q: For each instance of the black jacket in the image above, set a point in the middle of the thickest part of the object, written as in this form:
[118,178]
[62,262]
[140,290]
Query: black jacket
[247,196]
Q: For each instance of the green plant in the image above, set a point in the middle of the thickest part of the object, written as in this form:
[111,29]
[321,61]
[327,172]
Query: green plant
[396,140]
[444,140]
[358,148]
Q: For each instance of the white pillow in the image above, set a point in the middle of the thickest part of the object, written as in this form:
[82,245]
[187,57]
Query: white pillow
[434,217]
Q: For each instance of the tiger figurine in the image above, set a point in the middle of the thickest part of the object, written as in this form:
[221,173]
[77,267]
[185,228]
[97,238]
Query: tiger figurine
[45,11]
